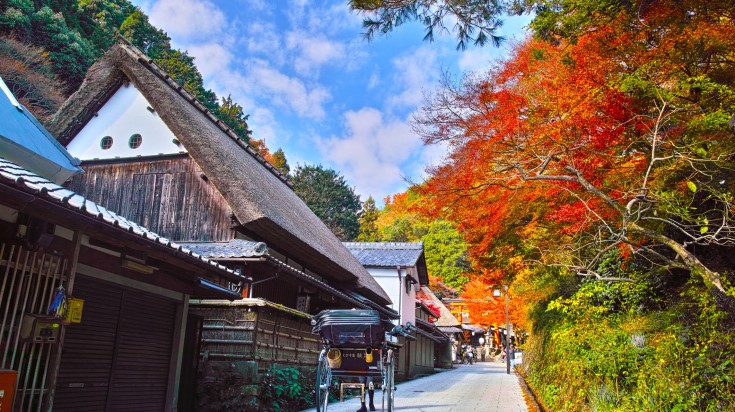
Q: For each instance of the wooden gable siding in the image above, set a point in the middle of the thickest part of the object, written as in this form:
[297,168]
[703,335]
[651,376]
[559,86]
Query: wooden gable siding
[168,196]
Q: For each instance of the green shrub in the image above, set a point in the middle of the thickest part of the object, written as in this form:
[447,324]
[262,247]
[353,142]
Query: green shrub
[605,349]
[287,389]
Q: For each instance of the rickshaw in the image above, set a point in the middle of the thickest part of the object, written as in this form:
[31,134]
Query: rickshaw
[355,346]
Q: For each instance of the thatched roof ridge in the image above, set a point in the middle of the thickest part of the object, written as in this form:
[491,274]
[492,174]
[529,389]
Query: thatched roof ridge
[262,201]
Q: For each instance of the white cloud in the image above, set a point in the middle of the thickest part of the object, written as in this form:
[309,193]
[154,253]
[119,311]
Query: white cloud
[372,152]
[259,5]
[264,125]
[262,37]
[211,59]
[476,60]
[431,156]
[286,91]
[316,18]
[188,19]
[415,73]
[374,81]
[313,51]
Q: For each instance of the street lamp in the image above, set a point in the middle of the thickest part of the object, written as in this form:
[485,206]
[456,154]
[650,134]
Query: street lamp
[497,293]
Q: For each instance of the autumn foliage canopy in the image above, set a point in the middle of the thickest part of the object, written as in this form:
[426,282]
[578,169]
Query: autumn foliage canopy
[604,137]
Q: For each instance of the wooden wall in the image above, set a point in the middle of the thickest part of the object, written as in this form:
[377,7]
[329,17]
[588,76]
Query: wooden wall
[168,196]
[256,333]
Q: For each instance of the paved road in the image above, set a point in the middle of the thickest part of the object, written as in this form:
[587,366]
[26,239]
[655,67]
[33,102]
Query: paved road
[482,387]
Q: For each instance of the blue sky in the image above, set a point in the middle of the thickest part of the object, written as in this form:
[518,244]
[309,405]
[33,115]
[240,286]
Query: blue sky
[315,88]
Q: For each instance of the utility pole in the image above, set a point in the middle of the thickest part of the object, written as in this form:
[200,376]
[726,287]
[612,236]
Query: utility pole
[507,331]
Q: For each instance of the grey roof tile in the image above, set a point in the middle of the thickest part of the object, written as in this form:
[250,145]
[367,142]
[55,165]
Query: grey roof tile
[236,248]
[386,254]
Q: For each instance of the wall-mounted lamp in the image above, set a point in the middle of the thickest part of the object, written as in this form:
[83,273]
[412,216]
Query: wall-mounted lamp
[410,281]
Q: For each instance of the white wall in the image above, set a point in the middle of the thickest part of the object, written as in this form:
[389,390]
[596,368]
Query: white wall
[125,114]
[395,288]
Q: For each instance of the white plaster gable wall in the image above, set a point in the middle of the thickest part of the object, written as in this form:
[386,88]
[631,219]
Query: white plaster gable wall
[396,290]
[126,113]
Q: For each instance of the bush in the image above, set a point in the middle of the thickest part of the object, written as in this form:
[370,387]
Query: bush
[287,389]
[602,350]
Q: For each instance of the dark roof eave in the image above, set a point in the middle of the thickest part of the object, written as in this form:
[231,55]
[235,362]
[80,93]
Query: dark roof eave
[366,304]
[37,203]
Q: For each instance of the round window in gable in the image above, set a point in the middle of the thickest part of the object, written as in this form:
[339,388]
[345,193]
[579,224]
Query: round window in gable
[106,142]
[135,141]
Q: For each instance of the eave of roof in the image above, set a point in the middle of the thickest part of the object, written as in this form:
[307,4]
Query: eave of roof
[429,331]
[240,249]
[24,139]
[449,329]
[14,176]
[247,303]
[233,249]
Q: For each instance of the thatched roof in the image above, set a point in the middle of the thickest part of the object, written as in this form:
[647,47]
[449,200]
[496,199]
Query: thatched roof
[260,197]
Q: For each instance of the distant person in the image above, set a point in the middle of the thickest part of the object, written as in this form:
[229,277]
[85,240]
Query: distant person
[370,395]
[512,355]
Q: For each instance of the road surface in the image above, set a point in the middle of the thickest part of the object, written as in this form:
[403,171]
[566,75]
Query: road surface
[482,387]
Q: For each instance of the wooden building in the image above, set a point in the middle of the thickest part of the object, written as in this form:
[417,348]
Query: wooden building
[151,151]
[400,268]
[120,344]
[445,323]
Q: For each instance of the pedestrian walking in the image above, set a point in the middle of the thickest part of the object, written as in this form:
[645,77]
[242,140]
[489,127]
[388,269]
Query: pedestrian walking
[512,355]
[370,394]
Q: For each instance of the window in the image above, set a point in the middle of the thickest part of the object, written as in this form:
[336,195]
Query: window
[106,142]
[135,141]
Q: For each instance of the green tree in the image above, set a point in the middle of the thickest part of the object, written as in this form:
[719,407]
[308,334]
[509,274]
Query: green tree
[407,228]
[330,197]
[446,254]
[180,66]
[97,20]
[474,22]
[17,18]
[69,52]
[368,218]
[231,113]
[138,30]
[280,162]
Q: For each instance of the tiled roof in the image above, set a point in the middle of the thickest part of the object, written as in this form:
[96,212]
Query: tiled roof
[446,319]
[12,174]
[386,254]
[236,248]
[24,139]
[240,248]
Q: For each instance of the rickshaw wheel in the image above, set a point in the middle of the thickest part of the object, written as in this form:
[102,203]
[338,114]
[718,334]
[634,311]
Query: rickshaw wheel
[323,378]
[390,387]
